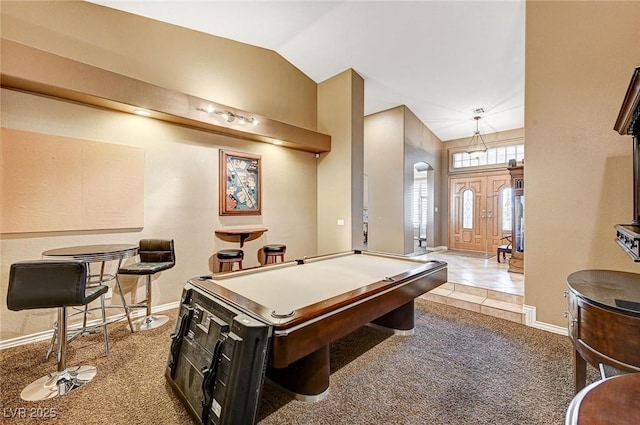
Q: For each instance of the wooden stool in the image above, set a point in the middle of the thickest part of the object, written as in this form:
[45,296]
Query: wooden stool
[229,256]
[504,250]
[272,252]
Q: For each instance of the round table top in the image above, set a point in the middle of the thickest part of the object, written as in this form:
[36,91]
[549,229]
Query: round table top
[241,231]
[99,252]
[614,401]
[610,289]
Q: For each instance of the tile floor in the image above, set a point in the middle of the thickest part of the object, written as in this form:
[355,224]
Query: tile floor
[479,284]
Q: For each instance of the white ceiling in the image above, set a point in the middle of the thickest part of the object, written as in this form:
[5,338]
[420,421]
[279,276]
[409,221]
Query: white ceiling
[442,59]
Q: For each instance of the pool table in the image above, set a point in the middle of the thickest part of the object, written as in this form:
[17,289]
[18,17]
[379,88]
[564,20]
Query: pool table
[314,301]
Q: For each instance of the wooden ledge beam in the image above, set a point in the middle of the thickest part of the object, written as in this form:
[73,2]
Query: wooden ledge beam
[33,70]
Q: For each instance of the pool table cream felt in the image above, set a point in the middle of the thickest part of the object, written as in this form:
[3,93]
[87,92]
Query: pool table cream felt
[288,287]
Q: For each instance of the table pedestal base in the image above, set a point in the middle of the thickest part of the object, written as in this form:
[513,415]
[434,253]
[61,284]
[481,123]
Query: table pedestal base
[308,378]
[400,321]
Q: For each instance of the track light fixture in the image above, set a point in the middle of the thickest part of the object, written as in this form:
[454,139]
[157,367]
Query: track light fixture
[229,116]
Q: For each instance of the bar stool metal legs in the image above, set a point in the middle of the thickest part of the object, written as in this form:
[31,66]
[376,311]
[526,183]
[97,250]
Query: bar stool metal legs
[84,330]
[149,321]
[125,306]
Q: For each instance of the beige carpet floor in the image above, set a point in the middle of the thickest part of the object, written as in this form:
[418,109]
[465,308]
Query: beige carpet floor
[458,368]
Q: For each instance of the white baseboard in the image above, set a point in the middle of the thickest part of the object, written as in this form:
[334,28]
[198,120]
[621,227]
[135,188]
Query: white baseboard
[46,335]
[530,320]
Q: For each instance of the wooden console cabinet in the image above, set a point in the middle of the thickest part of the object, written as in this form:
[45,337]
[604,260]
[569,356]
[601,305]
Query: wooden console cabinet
[516,262]
[604,320]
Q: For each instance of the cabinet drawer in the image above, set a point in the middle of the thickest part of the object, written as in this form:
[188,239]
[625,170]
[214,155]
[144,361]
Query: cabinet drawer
[610,334]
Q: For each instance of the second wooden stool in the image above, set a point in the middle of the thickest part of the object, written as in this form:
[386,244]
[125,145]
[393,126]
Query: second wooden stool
[273,252]
[229,256]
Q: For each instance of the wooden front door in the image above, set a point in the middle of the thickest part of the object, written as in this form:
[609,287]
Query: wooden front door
[475,212]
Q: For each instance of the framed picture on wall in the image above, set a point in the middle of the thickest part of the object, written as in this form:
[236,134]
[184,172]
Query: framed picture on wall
[240,184]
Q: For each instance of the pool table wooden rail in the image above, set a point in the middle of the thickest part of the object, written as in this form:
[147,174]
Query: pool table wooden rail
[286,320]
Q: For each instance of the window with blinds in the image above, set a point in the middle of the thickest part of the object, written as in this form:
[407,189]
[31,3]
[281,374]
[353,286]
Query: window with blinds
[420,205]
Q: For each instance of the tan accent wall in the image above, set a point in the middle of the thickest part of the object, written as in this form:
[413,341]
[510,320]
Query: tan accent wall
[383,166]
[181,164]
[340,172]
[579,60]
[395,140]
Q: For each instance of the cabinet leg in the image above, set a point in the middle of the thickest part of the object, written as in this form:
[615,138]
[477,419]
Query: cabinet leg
[580,372]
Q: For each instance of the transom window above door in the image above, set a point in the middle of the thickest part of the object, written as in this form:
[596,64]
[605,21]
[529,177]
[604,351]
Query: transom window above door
[494,156]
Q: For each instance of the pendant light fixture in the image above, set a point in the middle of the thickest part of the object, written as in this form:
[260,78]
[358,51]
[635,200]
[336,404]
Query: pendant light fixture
[476,147]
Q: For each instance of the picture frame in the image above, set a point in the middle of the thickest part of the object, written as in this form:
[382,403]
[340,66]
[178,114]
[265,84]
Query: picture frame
[240,191]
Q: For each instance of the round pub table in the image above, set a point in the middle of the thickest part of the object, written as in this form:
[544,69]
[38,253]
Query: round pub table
[100,253]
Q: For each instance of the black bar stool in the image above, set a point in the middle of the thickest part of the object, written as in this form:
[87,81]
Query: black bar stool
[59,284]
[229,256]
[274,251]
[156,255]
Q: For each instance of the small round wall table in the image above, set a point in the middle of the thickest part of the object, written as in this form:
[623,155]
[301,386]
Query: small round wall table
[243,234]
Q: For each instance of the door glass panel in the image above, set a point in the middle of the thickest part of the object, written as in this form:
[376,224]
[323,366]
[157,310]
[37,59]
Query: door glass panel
[467,209]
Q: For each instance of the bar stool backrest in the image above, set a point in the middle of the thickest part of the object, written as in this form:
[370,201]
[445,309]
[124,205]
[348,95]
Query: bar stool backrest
[157,251]
[46,284]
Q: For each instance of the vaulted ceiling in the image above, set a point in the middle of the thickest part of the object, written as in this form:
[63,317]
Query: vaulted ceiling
[442,59]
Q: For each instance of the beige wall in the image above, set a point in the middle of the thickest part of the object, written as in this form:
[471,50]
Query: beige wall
[181,165]
[579,61]
[383,165]
[340,172]
[394,141]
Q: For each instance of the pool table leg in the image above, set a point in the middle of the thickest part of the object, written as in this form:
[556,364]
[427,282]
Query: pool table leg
[401,320]
[307,378]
